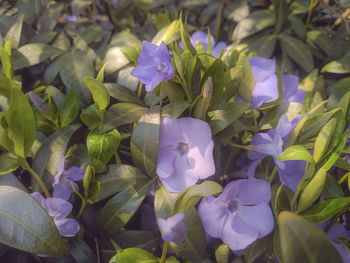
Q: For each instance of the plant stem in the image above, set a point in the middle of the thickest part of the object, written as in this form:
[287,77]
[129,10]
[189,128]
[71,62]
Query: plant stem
[117,158]
[139,90]
[164,251]
[37,178]
[272,176]
[83,204]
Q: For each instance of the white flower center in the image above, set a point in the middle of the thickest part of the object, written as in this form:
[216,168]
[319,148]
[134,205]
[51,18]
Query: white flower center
[162,67]
[232,205]
[182,147]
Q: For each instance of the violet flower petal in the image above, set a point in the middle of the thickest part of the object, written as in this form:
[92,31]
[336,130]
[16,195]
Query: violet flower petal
[60,168]
[255,191]
[165,162]
[173,229]
[67,227]
[264,92]
[170,132]
[218,48]
[194,131]
[58,208]
[62,191]
[262,68]
[75,173]
[40,199]
[291,93]
[292,173]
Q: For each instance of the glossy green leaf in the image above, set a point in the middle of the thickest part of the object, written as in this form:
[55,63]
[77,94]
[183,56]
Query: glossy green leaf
[264,46]
[14,34]
[323,139]
[185,38]
[340,66]
[295,152]
[253,23]
[46,160]
[313,190]
[35,234]
[7,163]
[163,202]
[281,199]
[81,252]
[257,249]
[102,147]
[325,210]
[122,113]
[303,242]
[119,210]
[134,254]
[123,94]
[32,54]
[332,189]
[224,114]
[92,117]
[297,51]
[149,240]
[21,122]
[247,84]
[118,177]
[175,109]
[216,72]
[190,196]
[145,141]
[166,34]
[11,180]
[70,109]
[222,253]
[99,92]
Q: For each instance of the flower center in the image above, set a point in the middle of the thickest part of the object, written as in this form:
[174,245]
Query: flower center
[182,147]
[232,205]
[162,67]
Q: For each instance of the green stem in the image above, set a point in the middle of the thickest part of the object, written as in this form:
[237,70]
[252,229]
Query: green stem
[26,166]
[164,251]
[139,90]
[272,176]
[83,204]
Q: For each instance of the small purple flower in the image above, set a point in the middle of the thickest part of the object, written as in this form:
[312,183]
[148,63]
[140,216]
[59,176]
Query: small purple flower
[203,38]
[62,187]
[154,65]
[271,143]
[39,103]
[185,152]
[291,93]
[266,83]
[71,18]
[59,209]
[240,214]
[173,229]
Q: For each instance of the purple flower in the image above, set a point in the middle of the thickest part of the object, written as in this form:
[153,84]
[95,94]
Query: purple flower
[291,93]
[173,229]
[203,38]
[62,187]
[271,143]
[185,152]
[240,214]
[38,103]
[154,65]
[266,83]
[59,209]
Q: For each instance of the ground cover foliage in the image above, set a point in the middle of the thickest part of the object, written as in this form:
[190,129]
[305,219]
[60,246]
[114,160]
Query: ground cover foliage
[174,131]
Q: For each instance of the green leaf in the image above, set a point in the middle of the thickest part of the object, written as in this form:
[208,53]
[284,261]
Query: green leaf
[145,141]
[119,210]
[123,94]
[11,180]
[264,46]
[281,199]
[323,139]
[185,38]
[297,51]
[340,66]
[134,254]
[325,210]
[257,249]
[167,33]
[302,241]
[7,67]
[313,190]
[175,109]
[77,66]
[32,54]
[35,233]
[92,117]
[295,152]
[118,177]
[224,114]
[101,74]
[163,202]
[216,72]
[102,147]
[46,160]
[222,253]
[70,109]
[332,189]
[7,163]
[21,122]
[81,252]
[190,196]
[99,92]
[149,240]
[253,23]
[193,247]
[122,113]
[247,84]
[14,34]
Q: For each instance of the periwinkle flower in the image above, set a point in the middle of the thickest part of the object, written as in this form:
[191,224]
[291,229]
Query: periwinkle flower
[291,93]
[203,38]
[62,187]
[59,209]
[185,152]
[266,83]
[39,103]
[154,65]
[271,143]
[240,214]
[173,229]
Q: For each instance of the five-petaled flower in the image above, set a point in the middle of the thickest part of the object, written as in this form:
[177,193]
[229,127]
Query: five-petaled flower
[154,65]
[62,187]
[203,39]
[185,152]
[173,229]
[59,209]
[240,214]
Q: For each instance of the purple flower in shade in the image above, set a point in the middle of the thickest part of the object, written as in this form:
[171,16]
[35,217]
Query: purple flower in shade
[39,103]
[291,93]
[266,83]
[173,229]
[203,38]
[154,65]
[240,214]
[185,152]
[62,187]
[271,143]
[59,209]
